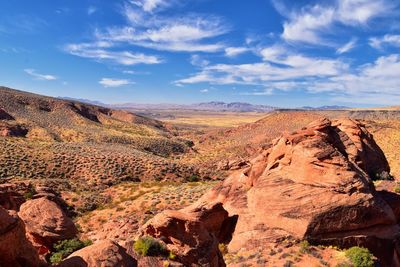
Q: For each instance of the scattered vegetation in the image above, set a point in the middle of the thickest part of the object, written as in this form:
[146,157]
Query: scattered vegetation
[148,246]
[360,257]
[193,178]
[304,246]
[63,249]
[397,188]
[29,194]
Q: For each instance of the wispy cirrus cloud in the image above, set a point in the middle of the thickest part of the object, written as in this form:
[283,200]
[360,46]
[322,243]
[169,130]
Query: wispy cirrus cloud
[91,10]
[145,28]
[152,5]
[235,51]
[100,51]
[315,75]
[188,33]
[198,61]
[39,76]
[347,46]
[111,82]
[386,40]
[315,24]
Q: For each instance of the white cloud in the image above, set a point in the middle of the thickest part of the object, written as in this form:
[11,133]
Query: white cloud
[38,76]
[132,72]
[313,24]
[347,47]
[388,39]
[204,91]
[375,83]
[315,75]
[151,5]
[187,33]
[358,12]
[306,26]
[198,61]
[296,67]
[235,51]
[308,66]
[273,53]
[91,10]
[99,52]
[110,82]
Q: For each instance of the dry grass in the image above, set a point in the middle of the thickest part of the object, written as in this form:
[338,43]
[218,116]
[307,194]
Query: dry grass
[214,119]
[132,204]
[387,136]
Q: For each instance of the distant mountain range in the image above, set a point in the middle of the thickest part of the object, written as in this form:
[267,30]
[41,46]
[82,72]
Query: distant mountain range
[205,106]
[334,107]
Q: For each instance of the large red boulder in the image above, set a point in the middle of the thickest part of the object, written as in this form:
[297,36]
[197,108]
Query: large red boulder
[46,223]
[102,254]
[15,249]
[12,195]
[193,234]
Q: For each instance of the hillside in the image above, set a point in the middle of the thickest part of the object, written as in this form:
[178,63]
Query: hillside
[48,138]
[117,174]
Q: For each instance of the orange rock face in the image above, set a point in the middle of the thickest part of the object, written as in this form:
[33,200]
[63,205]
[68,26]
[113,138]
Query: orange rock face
[314,184]
[46,223]
[102,254]
[193,234]
[11,195]
[15,249]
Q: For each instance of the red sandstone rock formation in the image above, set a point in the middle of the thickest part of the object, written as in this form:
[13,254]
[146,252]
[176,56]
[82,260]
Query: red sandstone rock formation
[193,234]
[46,223]
[314,184]
[101,254]
[15,249]
[12,195]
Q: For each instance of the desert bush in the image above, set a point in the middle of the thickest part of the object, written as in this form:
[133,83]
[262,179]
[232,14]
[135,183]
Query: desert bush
[148,246]
[93,201]
[360,257]
[29,194]
[193,178]
[304,246]
[64,248]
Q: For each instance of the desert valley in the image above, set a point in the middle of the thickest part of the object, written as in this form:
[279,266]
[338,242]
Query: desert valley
[85,185]
[200,133]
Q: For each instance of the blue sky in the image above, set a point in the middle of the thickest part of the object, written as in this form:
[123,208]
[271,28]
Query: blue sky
[276,52]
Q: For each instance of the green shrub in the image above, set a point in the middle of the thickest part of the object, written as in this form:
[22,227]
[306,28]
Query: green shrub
[64,248]
[304,246]
[171,256]
[29,194]
[56,257]
[360,257]
[193,178]
[397,189]
[148,246]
